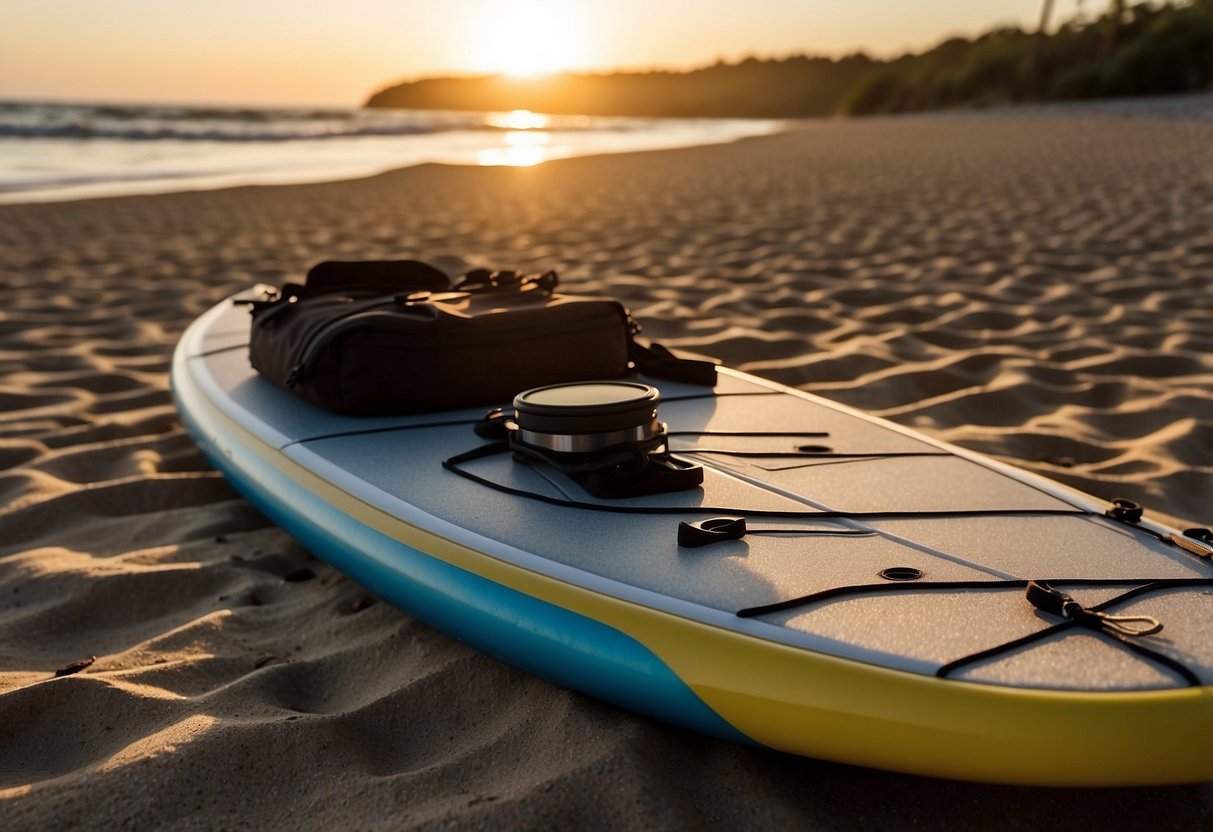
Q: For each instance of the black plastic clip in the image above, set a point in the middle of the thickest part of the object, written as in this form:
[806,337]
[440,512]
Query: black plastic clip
[640,475]
[269,296]
[1125,511]
[703,532]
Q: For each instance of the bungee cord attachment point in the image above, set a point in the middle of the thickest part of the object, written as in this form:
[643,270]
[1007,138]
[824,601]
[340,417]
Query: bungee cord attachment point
[1051,600]
[694,534]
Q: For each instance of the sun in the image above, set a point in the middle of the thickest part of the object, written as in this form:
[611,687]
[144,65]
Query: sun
[527,37]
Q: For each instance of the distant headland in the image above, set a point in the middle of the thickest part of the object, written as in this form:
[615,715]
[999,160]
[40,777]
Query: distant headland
[1129,50]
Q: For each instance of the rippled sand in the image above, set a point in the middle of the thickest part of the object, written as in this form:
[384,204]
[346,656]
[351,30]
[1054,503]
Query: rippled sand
[1035,285]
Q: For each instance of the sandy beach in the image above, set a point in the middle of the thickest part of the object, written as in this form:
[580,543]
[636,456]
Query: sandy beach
[1036,285]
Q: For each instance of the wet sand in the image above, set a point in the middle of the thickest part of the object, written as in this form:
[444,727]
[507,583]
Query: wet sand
[1036,285]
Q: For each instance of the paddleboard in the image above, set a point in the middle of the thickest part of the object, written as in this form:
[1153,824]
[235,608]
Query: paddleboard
[838,587]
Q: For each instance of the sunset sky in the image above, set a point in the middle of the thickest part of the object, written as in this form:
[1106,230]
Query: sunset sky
[295,52]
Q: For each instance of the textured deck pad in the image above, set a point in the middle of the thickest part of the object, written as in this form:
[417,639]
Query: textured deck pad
[775,457]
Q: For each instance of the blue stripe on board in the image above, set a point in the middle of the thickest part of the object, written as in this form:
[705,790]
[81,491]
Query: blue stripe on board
[549,641]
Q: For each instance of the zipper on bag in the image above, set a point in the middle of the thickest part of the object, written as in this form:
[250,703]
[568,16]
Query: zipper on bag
[325,333]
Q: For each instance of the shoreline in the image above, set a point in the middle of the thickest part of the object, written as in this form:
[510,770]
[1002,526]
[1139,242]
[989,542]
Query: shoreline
[187,156]
[1037,290]
[1196,107]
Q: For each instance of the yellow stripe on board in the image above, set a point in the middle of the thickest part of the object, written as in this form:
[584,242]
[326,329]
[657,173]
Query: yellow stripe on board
[839,709]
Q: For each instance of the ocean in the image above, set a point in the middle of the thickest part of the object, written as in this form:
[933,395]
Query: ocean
[56,151]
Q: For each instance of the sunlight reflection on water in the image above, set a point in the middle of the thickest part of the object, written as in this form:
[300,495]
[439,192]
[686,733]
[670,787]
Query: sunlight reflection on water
[518,120]
[523,149]
[73,151]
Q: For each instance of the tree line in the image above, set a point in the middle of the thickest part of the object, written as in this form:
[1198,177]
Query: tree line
[1140,49]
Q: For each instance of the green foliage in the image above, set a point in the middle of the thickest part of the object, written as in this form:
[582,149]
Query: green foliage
[1174,53]
[1147,49]
[1150,49]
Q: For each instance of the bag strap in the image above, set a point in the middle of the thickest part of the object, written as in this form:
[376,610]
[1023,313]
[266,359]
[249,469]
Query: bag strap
[657,361]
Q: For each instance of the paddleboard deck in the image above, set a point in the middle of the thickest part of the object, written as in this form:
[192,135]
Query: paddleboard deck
[875,611]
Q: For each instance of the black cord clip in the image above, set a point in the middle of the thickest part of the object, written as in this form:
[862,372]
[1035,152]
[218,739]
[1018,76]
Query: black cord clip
[1046,598]
[704,532]
[1125,511]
